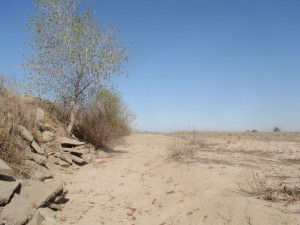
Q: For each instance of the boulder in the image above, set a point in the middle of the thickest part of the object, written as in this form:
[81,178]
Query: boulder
[77,150]
[37,219]
[89,157]
[39,192]
[18,211]
[57,161]
[69,142]
[48,214]
[54,206]
[38,172]
[37,148]
[4,222]
[5,169]
[40,159]
[7,190]
[77,159]
[48,136]
[24,133]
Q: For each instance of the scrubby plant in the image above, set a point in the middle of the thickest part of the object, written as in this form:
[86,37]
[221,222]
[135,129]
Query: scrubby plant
[254,131]
[105,118]
[276,129]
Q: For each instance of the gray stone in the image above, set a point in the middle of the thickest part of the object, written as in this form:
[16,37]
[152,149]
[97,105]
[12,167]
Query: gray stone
[18,211]
[40,159]
[5,169]
[37,219]
[48,136]
[48,214]
[54,206]
[37,148]
[40,192]
[77,159]
[7,189]
[4,222]
[89,157]
[68,141]
[40,115]
[24,133]
[57,161]
[77,150]
[38,172]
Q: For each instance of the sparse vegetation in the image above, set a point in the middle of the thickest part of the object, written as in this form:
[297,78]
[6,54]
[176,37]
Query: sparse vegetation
[270,188]
[276,129]
[105,118]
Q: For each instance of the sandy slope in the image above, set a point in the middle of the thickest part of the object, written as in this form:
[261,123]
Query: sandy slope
[137,185]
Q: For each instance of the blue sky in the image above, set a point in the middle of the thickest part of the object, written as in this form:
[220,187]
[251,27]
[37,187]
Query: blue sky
[206,64]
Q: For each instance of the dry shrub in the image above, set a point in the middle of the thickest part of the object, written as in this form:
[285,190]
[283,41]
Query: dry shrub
[270,188]
[13,111]
[104,119]
[179,147]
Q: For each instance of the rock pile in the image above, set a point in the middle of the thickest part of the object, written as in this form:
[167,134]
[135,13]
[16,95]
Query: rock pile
[37,198]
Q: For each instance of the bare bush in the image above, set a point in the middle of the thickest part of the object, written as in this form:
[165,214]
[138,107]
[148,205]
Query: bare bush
[270,188]
[180,147]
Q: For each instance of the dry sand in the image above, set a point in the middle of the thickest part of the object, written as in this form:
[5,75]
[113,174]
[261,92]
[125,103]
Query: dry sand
[137,184]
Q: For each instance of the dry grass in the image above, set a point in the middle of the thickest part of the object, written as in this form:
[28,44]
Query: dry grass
[270,188]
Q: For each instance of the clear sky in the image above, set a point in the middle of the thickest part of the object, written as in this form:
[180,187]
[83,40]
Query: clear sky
[204,64]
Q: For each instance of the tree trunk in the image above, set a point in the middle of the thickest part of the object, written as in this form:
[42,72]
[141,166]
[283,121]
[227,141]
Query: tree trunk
[72,117]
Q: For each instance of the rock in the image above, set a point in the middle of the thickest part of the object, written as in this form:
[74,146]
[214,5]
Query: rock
[38,172]
[24,133]
[40,159]
[48,214]
[89,157]
[37,148]
[54,206]
[5,169]
[77,150]
[69,142]
[7,190]
[4,222]
[18,211]
[40,192]
[40,115]
[77,159]
[48,136]
[37,219]
[57,161]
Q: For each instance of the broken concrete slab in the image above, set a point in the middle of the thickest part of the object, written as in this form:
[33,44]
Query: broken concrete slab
[7,190]
[24,133]
[39,192]
[18,211]
[69,142]
[40,115]
[37,148]
[77,159]
[54,206]
[38,172]
[5,169]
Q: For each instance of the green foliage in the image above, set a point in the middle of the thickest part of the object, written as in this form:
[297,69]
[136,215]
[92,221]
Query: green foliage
[105,118]
[72,55]
[276,129]
[254,131]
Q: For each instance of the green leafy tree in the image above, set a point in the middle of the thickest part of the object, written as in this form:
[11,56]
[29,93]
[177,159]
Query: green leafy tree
[72,54]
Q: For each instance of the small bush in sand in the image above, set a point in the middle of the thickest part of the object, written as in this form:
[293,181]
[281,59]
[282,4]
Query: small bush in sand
[270,188]
[276,129]
[179,147]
